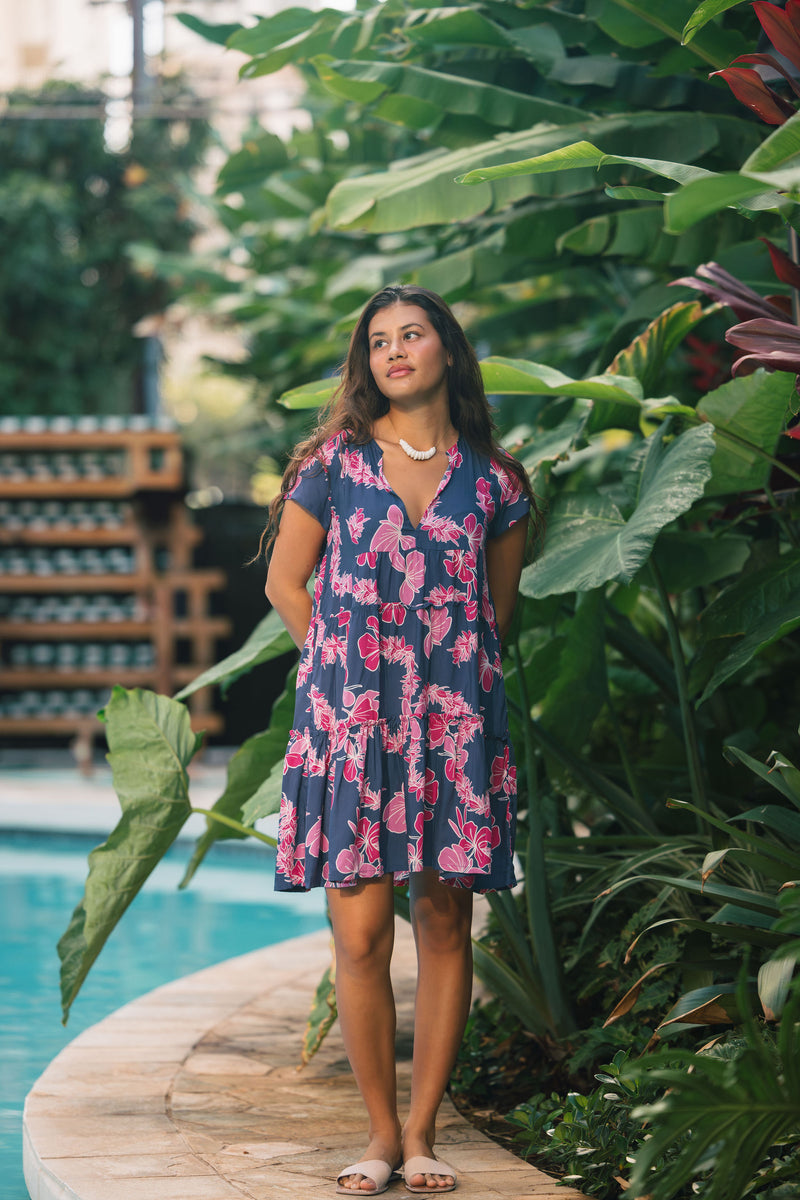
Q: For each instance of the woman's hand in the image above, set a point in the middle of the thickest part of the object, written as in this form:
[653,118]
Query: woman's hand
[504,558]
[294,556]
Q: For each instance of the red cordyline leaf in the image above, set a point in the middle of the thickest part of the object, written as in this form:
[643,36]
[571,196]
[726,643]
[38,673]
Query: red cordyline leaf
[769,60]
[771,344]
[784,267]
[794,432]
[748,87]
[781,27]
[720,285]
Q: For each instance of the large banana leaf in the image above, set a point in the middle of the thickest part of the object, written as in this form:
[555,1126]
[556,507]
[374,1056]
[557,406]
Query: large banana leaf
[424,191]
[501,377]
[625,19]
[719,1116]
[754,612]
[268,640]
[295,35]
[696,559]
[589,542]
[580,689]
[748,414]
[579,156]
[151,745]
[518,377]
[705,13]
[438,92]
[704,197]
[247,770]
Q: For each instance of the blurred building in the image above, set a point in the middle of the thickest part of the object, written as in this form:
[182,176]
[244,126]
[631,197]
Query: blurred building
[91,42]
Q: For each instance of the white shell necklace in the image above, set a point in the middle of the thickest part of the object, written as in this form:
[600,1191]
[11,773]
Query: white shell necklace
[417,455]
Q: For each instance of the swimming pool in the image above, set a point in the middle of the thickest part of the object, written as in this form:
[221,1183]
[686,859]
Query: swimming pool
[229,909]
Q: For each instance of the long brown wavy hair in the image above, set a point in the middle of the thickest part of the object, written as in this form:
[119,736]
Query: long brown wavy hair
[357,402]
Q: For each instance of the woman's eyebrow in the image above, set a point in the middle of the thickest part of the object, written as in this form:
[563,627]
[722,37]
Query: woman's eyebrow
[380,332]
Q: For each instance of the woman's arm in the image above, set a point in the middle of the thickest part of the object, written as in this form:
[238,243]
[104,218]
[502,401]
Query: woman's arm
[294,556]
[504,558]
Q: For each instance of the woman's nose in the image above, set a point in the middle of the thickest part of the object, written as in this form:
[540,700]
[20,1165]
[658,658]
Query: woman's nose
[396,350]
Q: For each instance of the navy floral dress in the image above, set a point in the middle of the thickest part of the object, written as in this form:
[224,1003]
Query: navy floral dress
[399,758]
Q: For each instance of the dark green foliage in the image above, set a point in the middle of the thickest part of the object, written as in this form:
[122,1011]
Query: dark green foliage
[588,1139]
[69,208]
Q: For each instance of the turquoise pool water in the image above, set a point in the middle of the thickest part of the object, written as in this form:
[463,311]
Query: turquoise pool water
[229,909]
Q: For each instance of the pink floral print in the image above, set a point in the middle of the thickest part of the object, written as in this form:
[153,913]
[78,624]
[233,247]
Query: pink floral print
[399,759]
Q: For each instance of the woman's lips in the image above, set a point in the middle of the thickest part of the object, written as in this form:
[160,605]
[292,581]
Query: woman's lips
[399,371]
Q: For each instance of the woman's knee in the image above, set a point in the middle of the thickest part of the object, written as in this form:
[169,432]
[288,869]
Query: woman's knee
[363,929]
[442,919]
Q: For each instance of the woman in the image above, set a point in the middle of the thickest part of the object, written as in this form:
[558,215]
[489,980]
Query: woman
[399,767]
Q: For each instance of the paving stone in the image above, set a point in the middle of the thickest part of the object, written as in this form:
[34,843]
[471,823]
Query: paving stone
[194,1093]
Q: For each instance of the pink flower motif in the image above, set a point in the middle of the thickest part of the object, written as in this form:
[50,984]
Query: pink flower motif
[461,564]
[316,838]
[477,843]
[453,858]
[438,622]
[421,817]
[474,531]
[415,575]
[441,529]
[498,772]
[369,645]
[485,498]
[390,539]
[353,759]
[510,486]
[368,838]
[486,671]
[431,788]
[369,559]
[396,613]
[464,647]
[355,524]
[471,611]
[343,617]
[334,648]
[437,730]
[295,753]
[365,591]
[361,709]
[394,815]
[324,715]
[353,466]
[348,861]
[456,758]
[371,798]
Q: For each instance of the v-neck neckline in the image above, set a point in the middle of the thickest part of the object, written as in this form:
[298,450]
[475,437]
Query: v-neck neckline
[448,471]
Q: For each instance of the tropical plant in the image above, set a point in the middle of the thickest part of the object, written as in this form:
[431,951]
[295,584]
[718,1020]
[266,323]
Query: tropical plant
[69,297]
[588,1138]
[728,1117]
[659,621]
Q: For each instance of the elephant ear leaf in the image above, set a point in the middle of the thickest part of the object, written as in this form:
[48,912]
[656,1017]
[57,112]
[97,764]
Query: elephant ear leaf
[151,744]
[589,541]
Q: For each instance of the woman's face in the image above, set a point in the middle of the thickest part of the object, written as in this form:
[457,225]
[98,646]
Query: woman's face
[406,354]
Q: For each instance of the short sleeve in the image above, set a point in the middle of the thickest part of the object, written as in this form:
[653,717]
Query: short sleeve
[511,503]
[311,491]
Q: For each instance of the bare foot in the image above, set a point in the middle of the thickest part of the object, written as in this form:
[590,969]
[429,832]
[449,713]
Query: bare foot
[387,1149]
[414,1145]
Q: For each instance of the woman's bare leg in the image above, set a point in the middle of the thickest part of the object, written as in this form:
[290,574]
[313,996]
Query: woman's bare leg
[363,933]
[441,917]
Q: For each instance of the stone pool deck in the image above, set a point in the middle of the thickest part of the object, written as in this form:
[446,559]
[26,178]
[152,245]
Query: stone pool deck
[193,1093]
